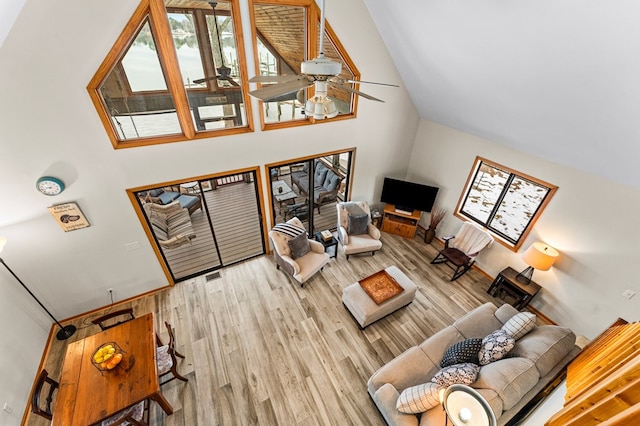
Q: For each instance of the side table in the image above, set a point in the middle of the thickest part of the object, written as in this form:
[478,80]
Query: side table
[506,282]
[330,247]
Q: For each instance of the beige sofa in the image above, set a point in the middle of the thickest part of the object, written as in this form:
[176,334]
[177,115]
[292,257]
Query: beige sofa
[508,384]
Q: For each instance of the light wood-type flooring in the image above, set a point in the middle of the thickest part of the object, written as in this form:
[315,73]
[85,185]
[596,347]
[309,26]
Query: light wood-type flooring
[261,350]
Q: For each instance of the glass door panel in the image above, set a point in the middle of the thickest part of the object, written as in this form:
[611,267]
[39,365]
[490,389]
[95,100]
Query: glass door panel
[236,218]
[310,189]
[201,226]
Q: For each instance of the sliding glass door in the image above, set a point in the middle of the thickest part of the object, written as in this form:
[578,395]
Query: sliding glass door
[203,225]
[310,188]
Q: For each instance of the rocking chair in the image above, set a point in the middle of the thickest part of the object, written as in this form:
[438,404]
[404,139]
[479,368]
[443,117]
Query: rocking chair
[460,250]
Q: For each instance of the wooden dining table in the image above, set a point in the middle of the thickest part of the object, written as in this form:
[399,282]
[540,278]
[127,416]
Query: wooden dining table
[88,395]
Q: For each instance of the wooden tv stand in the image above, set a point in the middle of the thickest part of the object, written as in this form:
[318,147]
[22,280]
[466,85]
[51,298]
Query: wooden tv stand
[398,223]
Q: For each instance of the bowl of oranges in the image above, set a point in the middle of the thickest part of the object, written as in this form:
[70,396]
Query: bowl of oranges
[107,356]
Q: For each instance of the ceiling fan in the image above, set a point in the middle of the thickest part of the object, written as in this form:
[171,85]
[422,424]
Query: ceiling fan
[320,72]
[224,72]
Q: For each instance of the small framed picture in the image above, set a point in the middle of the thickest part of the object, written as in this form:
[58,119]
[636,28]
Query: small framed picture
[69,216]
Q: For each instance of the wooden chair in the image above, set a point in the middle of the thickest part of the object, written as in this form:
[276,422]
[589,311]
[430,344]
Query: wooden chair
[166,358]
[104,321]
[460,250]
[131,416]
[36,408]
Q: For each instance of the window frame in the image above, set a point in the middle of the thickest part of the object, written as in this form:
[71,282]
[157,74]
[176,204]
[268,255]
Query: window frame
[313,15]
[155,12]
[509,242]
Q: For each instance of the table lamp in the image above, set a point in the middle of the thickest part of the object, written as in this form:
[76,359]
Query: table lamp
[538,256]
[65,331]
[466,407]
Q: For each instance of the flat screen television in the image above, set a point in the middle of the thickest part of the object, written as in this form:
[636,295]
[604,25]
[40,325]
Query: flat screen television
[408,196]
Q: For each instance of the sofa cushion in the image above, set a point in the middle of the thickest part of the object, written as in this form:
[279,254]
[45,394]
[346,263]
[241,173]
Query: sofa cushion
[495,346]
[299,245]
[418,399]
[458,373]
[510,378]
[167,197]
[320,174]
[331,181]
[479,322]
[546,346]
[520,324]
[462,352]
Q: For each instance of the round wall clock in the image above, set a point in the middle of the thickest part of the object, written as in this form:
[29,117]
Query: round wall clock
[49,185]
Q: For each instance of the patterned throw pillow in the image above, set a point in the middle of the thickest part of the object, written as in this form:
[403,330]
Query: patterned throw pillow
[464,374]
[418,399]
[495,346]
[520,324]
[462,352]
[288,229]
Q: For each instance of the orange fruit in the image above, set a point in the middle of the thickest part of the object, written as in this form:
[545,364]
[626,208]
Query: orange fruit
[116,359]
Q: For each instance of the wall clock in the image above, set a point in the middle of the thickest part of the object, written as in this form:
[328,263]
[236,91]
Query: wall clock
[49,185]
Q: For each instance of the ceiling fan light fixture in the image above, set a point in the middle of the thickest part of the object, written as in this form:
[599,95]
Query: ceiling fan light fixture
[320,107]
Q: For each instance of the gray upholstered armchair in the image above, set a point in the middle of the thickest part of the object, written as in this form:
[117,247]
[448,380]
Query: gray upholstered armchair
[301,264]
[356,233]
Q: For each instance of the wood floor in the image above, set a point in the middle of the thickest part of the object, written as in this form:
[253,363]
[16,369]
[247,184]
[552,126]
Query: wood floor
[261,350]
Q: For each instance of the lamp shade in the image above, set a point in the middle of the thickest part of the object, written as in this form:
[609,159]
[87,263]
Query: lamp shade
[320,106]
[3,241]
[466,407]
[540,256]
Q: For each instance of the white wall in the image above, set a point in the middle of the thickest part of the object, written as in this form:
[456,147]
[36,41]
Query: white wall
[49,126]
[591,221]
[24,330]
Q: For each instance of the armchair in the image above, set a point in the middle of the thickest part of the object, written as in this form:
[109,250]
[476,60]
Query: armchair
[303,267]
[460,250]
[354,240]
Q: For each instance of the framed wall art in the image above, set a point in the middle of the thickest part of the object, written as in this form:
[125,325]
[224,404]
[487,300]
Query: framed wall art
[69,216]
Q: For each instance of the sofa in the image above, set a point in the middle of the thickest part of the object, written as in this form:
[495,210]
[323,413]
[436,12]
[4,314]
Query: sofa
[326,183]
[160,196]
[507,384]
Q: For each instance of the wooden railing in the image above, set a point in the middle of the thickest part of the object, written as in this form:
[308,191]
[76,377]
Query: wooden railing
[603,382]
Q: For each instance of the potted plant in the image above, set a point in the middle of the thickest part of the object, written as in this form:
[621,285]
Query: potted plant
[437,214]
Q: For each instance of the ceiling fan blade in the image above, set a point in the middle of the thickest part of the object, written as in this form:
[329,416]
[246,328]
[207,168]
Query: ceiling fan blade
[357,92]
[230,80]
[273,78]
[340,80]
[202,80]
[275,90]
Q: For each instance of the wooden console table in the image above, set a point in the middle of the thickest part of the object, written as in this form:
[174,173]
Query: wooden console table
[506,282]
[398,223]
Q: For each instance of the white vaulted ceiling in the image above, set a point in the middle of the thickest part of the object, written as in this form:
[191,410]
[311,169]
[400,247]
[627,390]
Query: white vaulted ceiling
[557,79]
